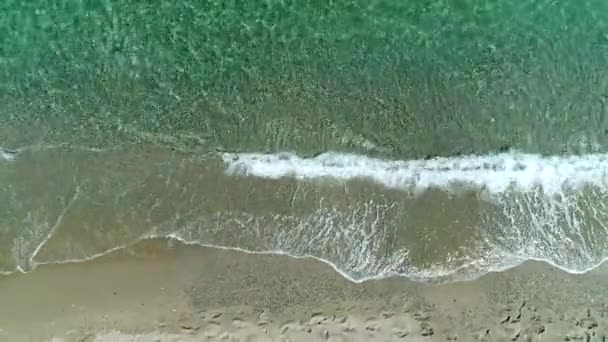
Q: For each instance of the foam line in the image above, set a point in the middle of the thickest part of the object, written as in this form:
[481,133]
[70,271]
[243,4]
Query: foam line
[495,173]
[422,276]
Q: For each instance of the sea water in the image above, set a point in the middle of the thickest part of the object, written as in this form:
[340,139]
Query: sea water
[433,140]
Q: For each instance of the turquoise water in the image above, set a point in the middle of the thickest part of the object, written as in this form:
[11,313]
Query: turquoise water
[415,78]
[116,106]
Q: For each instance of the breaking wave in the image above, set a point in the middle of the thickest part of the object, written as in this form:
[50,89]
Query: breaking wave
[546,208]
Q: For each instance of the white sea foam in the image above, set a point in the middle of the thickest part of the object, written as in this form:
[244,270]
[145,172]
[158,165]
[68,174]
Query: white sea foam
[494,261]
[547,220]
[494,173]
[7,155]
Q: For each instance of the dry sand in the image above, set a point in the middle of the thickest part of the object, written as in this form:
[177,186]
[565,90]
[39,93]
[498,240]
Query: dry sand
[188,293]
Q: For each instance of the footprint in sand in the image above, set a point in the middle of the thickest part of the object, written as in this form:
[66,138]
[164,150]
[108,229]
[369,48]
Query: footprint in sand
[264,319]
[340,319]
[289,326]
[372,325]
[318,319]
[241,324]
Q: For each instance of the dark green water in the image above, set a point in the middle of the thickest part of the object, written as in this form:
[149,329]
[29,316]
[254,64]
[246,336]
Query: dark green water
[119,107]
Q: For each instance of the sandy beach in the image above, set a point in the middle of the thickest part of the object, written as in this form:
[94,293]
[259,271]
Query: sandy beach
[165,291]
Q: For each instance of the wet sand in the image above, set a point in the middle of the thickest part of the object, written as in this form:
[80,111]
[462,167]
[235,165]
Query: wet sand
[165,291]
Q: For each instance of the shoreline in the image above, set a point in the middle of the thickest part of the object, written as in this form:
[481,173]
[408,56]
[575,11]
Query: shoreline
[431,280]
[458,228]
[176,292]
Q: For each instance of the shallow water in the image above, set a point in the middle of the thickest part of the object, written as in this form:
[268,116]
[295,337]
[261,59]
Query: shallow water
[430,220]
